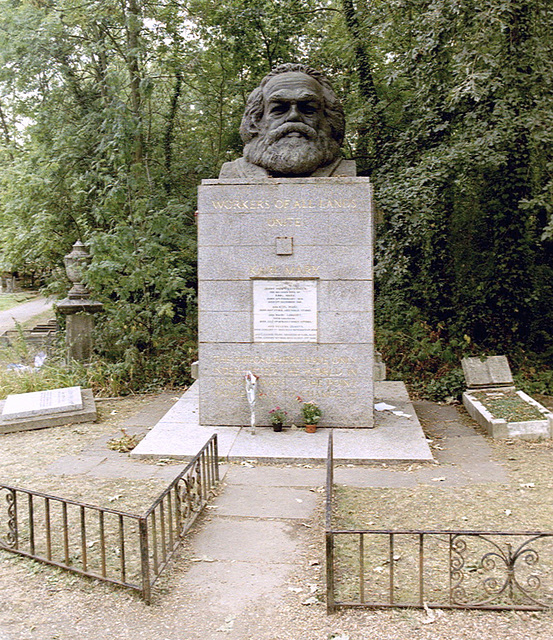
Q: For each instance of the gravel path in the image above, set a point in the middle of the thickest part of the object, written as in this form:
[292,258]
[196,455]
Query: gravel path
[22,313]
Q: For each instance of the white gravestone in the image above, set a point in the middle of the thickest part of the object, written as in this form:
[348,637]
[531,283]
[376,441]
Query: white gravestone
[39,403]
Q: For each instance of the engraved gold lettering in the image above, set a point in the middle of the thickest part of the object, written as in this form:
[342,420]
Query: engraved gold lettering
[257,205]
[285,222]
[241,205]
[325,203]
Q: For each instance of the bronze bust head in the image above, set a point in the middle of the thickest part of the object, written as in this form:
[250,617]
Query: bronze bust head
[293,125]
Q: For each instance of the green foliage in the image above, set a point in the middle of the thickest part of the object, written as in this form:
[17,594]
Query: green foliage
[277,416]
[98,160]
[111,113]
[428,359]
[53,374]
[462,183]
[535,380]
[310,411]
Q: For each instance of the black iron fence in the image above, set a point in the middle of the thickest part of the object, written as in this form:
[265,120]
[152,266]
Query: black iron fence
[110,545]
[369,568]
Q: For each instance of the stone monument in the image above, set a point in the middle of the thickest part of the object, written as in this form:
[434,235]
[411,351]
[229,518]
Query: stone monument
[285,264]
[78,308]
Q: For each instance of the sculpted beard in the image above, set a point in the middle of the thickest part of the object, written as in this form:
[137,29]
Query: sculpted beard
[279,152]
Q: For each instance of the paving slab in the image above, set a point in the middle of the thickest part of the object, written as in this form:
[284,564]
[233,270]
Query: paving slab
[152,413]
[122,467]
[75,465]
[394,438]
[98,461]
[263,541]
[227,588]
[265,502]
[276,476]
[458,443]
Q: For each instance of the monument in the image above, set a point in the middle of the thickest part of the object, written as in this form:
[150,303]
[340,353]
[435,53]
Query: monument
[78,307]
[285,264]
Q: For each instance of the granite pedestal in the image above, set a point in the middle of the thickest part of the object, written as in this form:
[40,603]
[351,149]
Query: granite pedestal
[397,436]
[285,291]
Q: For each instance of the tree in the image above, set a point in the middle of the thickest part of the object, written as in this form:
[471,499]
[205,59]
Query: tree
[111,112]
[463,183]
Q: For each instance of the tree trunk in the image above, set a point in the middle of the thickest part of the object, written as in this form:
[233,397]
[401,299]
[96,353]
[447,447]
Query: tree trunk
[133,58]
[369,129]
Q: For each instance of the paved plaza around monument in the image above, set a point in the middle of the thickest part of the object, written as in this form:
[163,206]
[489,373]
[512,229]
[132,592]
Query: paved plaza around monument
[466,450]
[394,438]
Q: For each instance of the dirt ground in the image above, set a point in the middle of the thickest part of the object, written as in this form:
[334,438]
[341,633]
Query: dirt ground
[41,603]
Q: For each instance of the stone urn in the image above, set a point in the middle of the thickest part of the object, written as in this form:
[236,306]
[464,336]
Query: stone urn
[76,263]
[78,307]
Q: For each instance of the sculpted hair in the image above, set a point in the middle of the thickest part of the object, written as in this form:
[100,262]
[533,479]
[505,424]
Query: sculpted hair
[253,112]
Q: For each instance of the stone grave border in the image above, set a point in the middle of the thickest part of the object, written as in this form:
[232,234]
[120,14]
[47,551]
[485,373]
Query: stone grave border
[535,429]
[497,553]
[133,550]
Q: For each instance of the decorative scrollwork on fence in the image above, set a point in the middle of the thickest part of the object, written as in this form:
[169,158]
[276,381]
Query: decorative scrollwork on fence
[10,540]
[189,495]
[496,575]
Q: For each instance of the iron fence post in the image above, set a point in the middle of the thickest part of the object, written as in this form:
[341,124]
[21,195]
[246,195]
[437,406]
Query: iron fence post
[144,559]
[13,533]
[330,606]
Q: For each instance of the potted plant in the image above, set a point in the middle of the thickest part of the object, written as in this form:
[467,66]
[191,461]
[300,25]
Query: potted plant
[311,413]
[277,416]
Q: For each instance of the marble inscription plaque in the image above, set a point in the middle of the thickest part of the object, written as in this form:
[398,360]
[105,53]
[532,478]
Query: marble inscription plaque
[284,310]
[26,405]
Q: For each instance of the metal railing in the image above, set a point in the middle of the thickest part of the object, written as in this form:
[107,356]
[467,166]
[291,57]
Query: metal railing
[371,568]
[107,544]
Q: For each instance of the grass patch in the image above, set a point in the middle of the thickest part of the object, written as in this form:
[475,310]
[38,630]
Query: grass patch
[507,405]
[523,504]
[54,374]
[10,300]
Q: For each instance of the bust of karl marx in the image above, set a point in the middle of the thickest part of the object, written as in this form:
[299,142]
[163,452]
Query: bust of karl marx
[293,126]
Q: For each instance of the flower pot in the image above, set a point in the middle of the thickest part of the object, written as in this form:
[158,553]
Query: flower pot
[277,427]
[310,428]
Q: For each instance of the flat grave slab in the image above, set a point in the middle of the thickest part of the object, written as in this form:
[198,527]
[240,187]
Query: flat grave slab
[394,438]
[39,417]
[39,403]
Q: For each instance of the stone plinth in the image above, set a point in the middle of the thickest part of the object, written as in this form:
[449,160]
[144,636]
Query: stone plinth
[25,405]
[79,327]
[285,291]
